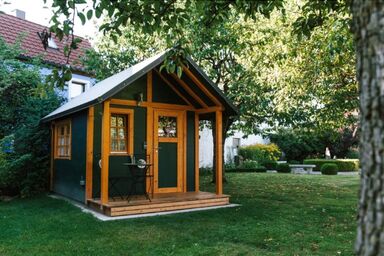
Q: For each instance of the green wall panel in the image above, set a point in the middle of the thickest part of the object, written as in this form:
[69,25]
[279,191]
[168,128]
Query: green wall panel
[190,151]
[167,165]
[162,93]
[131,91]
[68,173]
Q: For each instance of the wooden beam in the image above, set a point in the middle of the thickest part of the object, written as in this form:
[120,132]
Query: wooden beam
[184,140]
[189,91]
[149,86]
[104,196]
[152,105]
[52,157]
[89,156]
[219,152]
[197,170]
[201,86]
[149,182]
[209,110]
[173,87]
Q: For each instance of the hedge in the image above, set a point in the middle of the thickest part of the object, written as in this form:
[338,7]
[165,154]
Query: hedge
[344,165]
[257,169]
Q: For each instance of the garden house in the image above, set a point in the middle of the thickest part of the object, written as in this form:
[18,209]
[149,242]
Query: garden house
[130,144]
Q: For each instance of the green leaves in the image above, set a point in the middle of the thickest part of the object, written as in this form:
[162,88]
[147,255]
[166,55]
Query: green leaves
[82,17]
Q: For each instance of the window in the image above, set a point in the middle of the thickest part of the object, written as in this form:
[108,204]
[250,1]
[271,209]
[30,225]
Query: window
[76,88]
[236,142]
[63,140]
[51,43]
[119,133]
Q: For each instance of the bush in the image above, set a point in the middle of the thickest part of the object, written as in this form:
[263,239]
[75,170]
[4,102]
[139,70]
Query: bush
[260,152]
[269,164]
[329,169]
[284,168]
[301,144]
[343,165]
[248,164]
[353,154]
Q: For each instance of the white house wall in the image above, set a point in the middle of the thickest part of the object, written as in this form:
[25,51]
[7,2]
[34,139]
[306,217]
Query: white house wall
[206,146]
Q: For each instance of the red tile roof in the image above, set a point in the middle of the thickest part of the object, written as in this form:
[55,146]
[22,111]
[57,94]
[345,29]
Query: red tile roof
[12,27]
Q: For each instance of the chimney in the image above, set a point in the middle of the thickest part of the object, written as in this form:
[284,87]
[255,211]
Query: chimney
[20,14]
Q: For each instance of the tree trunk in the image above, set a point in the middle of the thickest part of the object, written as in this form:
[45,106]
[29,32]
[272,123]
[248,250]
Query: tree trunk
[368,25]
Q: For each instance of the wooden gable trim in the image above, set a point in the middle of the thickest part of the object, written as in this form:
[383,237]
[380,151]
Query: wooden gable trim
[149,86]
[201,86]
[173,87]
[189,91]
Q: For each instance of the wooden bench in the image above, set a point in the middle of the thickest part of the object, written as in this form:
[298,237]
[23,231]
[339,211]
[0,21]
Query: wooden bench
[297,168]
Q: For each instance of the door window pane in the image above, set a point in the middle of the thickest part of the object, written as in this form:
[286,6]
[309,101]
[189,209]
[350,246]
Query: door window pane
[167,126]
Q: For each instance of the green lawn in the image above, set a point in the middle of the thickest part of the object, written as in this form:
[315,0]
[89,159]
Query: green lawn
[281,214]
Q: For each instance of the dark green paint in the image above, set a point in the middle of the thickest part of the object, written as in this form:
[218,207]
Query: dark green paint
[68,173]
[116,163]
[162,93]
[197,90]
[190,151]
[167,165]
[132,91]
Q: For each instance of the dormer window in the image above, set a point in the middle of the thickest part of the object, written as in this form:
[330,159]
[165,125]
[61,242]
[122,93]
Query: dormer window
[51,43]
[76,87]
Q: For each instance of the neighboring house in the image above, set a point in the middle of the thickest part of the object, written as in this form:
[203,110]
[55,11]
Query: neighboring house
[232,143]
[13,28]
[136,134]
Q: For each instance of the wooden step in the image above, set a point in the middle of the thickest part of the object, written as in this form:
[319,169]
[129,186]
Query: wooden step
[115,211]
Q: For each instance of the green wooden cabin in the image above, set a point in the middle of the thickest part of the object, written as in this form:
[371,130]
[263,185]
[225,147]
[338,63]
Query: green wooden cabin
[139,113]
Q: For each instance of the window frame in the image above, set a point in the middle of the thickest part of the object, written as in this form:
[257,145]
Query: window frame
[129,113]
[66,122]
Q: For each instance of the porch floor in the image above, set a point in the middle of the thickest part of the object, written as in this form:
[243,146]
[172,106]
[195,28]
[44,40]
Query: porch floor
[159,203]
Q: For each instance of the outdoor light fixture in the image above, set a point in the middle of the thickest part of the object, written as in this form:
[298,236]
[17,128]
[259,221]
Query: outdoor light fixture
[140,97]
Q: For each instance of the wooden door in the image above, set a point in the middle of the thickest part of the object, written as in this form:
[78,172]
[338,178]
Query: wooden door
[168,150]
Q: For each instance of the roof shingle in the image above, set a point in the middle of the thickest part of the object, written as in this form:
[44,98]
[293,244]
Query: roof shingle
[11,28]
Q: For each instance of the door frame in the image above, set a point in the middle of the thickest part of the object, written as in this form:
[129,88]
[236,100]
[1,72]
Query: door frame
[181,151]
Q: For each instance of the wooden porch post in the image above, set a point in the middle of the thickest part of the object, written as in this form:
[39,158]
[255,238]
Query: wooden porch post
[104,196]
[219,152]
[197,176]
[89,162]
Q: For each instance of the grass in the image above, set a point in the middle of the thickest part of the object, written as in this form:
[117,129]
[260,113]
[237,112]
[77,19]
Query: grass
[281,214]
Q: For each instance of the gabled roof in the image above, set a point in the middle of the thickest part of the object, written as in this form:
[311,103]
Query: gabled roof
[11,28]
[113,84]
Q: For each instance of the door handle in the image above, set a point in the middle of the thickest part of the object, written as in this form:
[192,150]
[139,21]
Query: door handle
[157,149]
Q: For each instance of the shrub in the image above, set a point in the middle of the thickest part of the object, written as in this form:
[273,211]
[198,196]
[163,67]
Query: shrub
[284,168]
[301,144]
[353,154]
[248,164]
[260,152]
[343,165]
[329,169]
[269,164]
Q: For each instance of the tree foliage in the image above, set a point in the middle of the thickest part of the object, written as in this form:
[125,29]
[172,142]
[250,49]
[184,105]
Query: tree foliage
[24,100]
